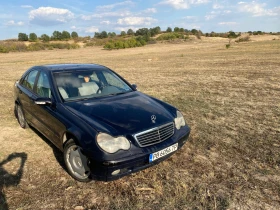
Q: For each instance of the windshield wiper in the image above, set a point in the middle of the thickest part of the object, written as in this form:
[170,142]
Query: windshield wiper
[114,94]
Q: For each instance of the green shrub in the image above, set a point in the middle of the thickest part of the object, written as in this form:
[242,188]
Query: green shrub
[152,41]
[122,44]
[243,39]
[186,37]
[97,42]
[170,36]
[232,35]
[3,49]
[227,46]
[64,46]
[6,47]
[36,47]
[89,44]
[74,46]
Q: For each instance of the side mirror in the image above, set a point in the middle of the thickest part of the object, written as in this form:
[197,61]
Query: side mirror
[134,86]
[43,101]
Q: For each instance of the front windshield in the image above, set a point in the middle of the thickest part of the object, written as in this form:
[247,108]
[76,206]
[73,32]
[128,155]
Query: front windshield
[84,84]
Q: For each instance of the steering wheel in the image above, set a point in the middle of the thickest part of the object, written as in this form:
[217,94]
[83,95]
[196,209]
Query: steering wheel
[100,87]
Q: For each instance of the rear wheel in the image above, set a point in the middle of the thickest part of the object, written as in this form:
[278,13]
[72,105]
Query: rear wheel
[20,116]
[76,162]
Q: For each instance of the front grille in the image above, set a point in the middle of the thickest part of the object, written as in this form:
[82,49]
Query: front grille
[155,135]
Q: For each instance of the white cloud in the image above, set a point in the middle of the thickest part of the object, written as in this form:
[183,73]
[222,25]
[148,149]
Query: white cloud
[112,14]
[226,11]
[183,4]
[150,10]
[106,14]
[13,23]
[217,6]
[50,16]
[228,23]
[177,4]
[105,22]
[112,6]
[257,9]
[191,18]
[216,13]
[26,6]
[209,17]
[91,29]
[86,17]
[199,1]
[73,27]
[136,21]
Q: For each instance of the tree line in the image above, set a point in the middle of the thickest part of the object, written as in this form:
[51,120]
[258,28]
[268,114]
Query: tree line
[65,35]
[57,35]
[144,34]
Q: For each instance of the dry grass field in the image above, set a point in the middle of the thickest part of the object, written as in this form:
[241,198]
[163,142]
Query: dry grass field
[229,97]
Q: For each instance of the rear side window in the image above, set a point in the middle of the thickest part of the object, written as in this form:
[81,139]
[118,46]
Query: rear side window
[29,80]
[43,86]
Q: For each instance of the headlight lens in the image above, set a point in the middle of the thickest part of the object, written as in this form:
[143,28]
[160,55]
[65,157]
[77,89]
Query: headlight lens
[111,144]
[179,120]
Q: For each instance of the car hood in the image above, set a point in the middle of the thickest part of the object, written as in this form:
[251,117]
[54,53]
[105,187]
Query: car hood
[124,114]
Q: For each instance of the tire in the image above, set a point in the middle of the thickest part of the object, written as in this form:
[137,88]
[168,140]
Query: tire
[76,162]
[20,116]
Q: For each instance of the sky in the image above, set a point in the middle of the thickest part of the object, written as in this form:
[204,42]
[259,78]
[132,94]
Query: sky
[88,16]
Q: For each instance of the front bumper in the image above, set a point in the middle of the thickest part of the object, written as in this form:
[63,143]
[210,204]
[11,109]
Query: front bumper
[103,171]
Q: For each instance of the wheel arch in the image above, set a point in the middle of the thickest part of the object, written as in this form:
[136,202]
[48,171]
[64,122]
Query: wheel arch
[67,136]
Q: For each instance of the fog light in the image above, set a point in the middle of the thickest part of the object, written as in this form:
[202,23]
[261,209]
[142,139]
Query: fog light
[116,172]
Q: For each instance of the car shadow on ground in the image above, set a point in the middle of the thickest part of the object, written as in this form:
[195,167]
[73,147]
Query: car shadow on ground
[10,179]
[57,153]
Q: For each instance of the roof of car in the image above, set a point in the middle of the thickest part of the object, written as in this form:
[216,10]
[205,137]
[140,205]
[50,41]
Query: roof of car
[71,66]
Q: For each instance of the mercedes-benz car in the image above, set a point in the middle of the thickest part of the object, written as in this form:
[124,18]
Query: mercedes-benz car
[104,126]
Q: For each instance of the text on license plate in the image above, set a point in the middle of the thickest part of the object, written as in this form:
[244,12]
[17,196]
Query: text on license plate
[163,152]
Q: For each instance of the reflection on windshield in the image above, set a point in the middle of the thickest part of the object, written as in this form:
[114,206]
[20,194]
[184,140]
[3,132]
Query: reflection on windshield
[85,84]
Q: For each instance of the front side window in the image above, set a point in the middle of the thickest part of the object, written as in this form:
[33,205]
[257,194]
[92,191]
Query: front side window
[29,80]
[114,80]
[43,86]
[81,84]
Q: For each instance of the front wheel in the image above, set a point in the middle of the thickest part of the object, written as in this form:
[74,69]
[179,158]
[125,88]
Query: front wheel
[76,162]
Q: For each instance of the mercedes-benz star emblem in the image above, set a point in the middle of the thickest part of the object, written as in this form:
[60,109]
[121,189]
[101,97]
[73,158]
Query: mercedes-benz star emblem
[153,118]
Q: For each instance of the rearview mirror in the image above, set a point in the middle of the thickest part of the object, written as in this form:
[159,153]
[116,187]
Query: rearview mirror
[43,101]
[134,86]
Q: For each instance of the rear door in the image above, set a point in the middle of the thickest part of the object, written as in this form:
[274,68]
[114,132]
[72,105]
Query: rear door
[45,116]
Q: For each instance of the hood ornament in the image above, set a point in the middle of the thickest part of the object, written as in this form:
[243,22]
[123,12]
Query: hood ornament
[153,118]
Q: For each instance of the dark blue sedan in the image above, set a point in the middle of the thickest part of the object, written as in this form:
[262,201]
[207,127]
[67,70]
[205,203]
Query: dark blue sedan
[104,126]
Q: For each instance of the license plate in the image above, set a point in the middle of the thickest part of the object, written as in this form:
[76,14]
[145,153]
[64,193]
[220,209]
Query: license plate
[162,153]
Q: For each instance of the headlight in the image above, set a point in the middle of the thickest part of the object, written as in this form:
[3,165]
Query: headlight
[110,144]
[179,120]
